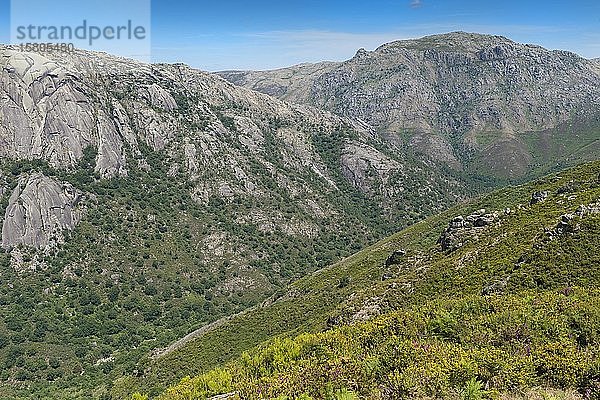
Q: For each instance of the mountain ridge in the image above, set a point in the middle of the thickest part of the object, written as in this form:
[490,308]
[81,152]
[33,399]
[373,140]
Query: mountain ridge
[468,101]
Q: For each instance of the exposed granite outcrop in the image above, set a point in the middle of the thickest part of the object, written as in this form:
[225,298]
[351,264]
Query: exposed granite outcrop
[461,229]
[40,210]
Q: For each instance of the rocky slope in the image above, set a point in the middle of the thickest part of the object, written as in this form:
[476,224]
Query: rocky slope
[286,83]
[52,110]
[472,101]
[424,311]
[39,210]
[139,202]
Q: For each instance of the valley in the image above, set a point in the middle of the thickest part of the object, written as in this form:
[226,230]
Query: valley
[307,207]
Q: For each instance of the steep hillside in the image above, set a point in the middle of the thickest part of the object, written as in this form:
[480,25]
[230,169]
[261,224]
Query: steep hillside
[139,202]
[475,102]
[471,347]
[481,286]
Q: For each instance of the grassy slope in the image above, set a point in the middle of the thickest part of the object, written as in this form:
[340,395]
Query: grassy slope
[436,349]
[515,248]
[533,154]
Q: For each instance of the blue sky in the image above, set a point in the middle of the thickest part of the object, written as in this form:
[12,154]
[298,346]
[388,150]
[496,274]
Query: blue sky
[262,34]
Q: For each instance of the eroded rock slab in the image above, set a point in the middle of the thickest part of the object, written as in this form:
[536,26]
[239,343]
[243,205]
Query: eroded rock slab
[40,210]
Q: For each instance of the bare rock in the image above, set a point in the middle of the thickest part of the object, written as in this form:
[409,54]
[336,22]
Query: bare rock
[160,98]
[40,210]
[584,210]
[110,160]
[47,112]
[461,229]
[365,167]
[396,257]
[538,197]
[570,223]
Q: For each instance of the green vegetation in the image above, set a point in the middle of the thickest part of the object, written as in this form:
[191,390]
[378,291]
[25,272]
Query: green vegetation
[138,272]
[524,157]
[439,349]
[514,307]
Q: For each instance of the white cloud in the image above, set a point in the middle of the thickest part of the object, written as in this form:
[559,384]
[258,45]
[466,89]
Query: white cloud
[416,3]
[314,45]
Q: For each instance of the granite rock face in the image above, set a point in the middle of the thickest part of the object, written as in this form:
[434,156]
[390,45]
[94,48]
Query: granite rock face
[47,112]
[53,109]
[228,142]
[40,210]
[453,97]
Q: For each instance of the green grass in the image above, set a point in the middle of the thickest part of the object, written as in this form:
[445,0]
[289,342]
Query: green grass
[516,247]
[436,349]
[561,147]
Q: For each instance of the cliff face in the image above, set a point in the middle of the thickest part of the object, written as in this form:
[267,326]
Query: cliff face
[227,141]
[40,210]
[454,97]
[48,112]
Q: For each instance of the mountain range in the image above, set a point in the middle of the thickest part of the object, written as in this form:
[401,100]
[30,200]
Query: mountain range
[141,203]
[474,102]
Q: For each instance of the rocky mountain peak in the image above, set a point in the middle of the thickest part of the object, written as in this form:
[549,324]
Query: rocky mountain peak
[453,41]
[490,103]
[361,53]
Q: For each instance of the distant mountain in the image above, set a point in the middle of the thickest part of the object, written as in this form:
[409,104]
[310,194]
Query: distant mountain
[475,102]
[498,295]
